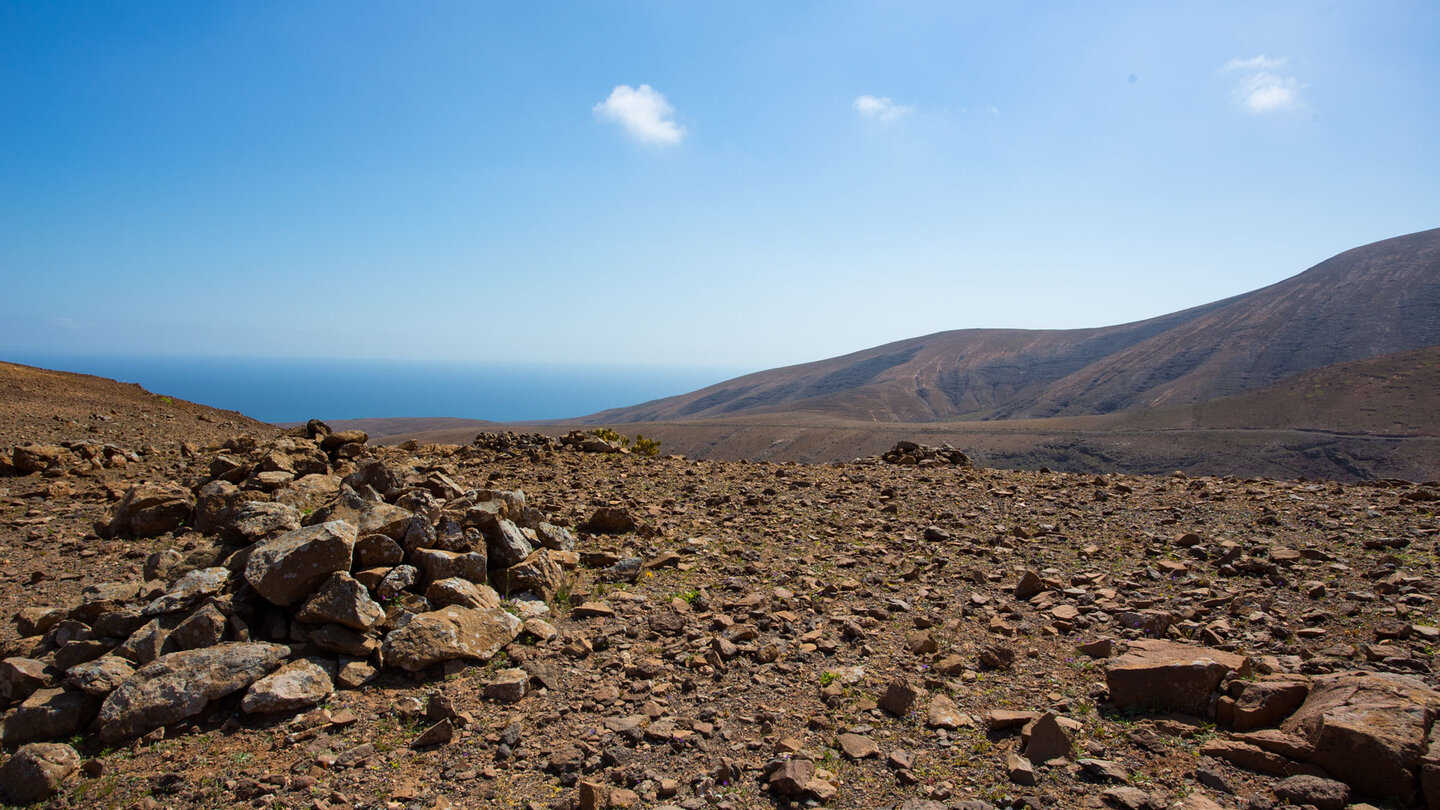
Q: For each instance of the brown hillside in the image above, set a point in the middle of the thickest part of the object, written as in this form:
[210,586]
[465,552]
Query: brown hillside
[43,406]
[1373,300]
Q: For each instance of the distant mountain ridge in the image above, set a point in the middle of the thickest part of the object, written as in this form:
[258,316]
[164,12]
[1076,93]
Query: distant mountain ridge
[1373,300]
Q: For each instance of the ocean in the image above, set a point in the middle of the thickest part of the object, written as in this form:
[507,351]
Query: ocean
[294,390]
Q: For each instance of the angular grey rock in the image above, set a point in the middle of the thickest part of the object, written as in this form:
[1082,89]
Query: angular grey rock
[144,645]
[342,600]
[1169,676]
[538,574]
[505,543]
[216,506]
[341,639]
[48,714]
[1368,729]
[189,590]
[149,509]
[462,592]
[203,628]
[439,734]
[36,772]
[436,565]
[1323,794]
[449,634]
[1047,739]
[33,458]
[555,538]
[103,597]
[398,580]
[610,520]
[378,551]
[288,568]
[373,472]
[791,777]
[166,566]
[899,696]
[368,517]
[101,676]
[296,685]
[254,521]
[21,676]
[181,685]
[508,686]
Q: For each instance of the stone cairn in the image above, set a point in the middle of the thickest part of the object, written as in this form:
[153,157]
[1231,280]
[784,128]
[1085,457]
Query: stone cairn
[391,572]
[923,455]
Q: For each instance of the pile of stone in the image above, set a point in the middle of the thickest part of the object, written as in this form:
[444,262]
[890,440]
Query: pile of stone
[393,569]
[54,460]
[590,443]
[914,454]
[511,442]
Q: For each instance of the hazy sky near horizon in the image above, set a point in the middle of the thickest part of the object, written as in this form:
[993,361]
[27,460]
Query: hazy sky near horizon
[737,184]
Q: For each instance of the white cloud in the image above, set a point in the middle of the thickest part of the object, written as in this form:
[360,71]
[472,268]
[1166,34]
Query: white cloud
[1260,90]
[643,112]
[881,109]
[1261,62]
[1266,92]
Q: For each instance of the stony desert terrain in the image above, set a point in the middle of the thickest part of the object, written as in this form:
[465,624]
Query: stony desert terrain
[216,615]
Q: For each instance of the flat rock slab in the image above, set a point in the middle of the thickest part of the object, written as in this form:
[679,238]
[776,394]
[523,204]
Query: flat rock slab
[1368,728]
[181,685]
[856,746]
[449,634]
[1158,675]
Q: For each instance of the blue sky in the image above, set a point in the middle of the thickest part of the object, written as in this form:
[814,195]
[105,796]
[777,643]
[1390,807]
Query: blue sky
[739,185]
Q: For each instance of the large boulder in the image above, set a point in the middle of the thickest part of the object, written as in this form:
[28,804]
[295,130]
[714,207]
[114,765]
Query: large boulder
[438,565]
[342,600]
[539,574]
[33,458]
[48,714]
[288,568]
[182,684]
[505,543]
[1368,729]
[297,685]
[150,509]
[449,634]
[36,771]
[189,590]
[253,521]
[216,506]
[456,591]
[1156,675]
[21,676]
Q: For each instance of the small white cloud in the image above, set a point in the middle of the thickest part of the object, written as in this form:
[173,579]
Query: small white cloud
[1260,90]
[643,112]
[1261,62]
[1266,93]
[61,322]
[881,108]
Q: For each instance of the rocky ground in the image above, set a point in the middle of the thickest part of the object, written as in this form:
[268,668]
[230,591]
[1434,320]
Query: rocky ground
[308,621]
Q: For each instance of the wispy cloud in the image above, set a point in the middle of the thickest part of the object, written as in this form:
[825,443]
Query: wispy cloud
[643,112]
[881,108]
[1259,89]
[1261,62]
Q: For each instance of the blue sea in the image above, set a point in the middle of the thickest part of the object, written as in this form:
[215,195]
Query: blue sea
[294,390]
